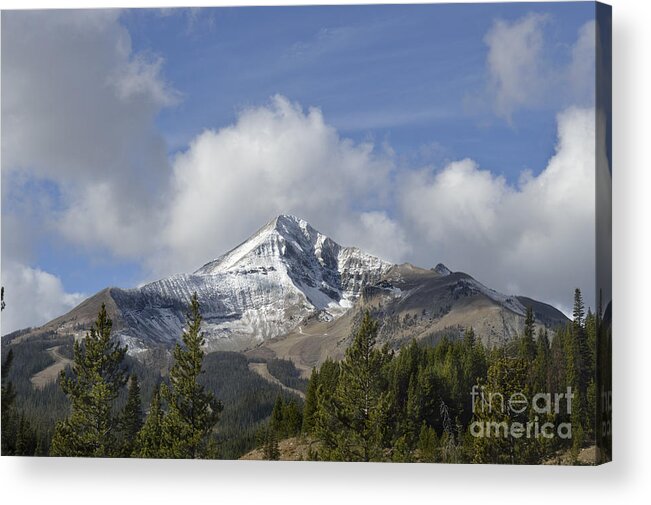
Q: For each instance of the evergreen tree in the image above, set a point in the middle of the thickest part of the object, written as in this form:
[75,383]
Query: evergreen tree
[413,412]
[193,412]
[540,379]
[402,452]
[8,420]
[270,450]
[97,378]
[427,444]
[506,376]
[292,418]
[276,423]
[579,364]
[26,438]
[578,311]
[473,367]
[148,440]
[359,407]
[527,343]
[469,338]
[132,418]
[311,402]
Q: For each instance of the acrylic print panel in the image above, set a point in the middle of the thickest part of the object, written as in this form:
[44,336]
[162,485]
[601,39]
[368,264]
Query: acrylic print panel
[337,233]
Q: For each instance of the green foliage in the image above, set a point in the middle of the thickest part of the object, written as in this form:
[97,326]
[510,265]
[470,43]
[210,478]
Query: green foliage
[148,440]
[373,405]
[427,444]
[423,394]
[286,418]
[131,420]
[311,398]
[527,342]
[506,377]
[9,427]
[192,411]
[359,407]
[97,378]
[285,371]
[270,450]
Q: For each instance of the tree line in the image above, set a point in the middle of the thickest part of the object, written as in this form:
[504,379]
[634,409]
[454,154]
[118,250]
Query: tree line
[416,405]
[179,422]
[374,405]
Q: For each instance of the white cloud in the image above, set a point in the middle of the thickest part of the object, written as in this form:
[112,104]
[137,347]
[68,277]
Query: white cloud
[81,156]
[274,159]
[515,62]
[376,233]
[534,238]
[78,110]
[33,297]
[581,70]
[523,75]
[537,238]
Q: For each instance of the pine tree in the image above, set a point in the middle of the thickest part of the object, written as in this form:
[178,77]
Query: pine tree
[311,401]
[506,376]
[413,412]
[148,440]
[270,450]
[469,338]
[527,344]
[9,419]
[292,418]
[581,372]
[360,404]
[193,412]
[132,419]
[26,438]
[540,372]
[427,444]
[92,389]
[276,423]
[578,311]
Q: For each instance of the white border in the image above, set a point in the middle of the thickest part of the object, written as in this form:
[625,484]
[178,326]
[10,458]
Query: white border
[626,480]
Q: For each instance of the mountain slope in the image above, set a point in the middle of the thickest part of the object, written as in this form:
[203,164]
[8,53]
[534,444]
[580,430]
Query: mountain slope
[413,303]
[262,288]
[291,291]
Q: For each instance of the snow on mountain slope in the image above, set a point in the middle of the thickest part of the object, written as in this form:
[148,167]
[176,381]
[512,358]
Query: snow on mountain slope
[261,289]
[284,277]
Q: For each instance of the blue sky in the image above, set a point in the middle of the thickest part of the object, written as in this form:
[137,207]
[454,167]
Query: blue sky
[414,75]
[108,114]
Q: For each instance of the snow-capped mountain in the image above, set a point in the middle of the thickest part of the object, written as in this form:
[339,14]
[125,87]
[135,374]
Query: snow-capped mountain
[261,289]
[287,278]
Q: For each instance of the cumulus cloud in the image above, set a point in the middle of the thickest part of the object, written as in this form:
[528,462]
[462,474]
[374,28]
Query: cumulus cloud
[78,109]
[536,238]
[33,297]
[376,233]
[522,75]
[581,70]
[81,156]
[515,62]
[275,159]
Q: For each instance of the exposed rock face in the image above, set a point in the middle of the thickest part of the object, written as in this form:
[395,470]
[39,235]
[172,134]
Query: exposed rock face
[290,281]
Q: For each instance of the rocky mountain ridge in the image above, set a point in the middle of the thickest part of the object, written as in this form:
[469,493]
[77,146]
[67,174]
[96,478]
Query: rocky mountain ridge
[293,292]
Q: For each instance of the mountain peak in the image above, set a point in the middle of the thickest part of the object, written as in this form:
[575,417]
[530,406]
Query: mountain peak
[289,220]
[278,239]
[441,269]
[286,224]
